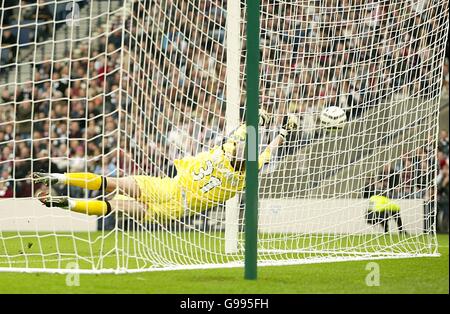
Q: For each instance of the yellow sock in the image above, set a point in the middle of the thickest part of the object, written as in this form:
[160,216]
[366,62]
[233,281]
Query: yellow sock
[90,207]
[84,180]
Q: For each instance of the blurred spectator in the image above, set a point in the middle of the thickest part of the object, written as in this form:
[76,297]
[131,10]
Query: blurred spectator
[8,47]
[5,190]
[443,144]
[443,199]
[442,181]
[445,81]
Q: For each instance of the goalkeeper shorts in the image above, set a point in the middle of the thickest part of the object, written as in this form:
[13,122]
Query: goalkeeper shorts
[163,197]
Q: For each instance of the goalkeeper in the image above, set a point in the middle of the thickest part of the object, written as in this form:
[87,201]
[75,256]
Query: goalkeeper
[202,181]
[381,209]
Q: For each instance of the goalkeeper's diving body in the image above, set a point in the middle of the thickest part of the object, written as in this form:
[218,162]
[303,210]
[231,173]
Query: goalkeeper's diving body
[202,181]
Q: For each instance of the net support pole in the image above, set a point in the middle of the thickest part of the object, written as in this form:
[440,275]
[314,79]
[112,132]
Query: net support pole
[252,117]
[232,117]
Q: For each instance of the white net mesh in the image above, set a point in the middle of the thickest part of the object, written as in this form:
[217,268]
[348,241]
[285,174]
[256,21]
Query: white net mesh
[146,93]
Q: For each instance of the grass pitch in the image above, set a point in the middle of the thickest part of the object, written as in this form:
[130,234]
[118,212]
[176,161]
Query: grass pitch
[412,275]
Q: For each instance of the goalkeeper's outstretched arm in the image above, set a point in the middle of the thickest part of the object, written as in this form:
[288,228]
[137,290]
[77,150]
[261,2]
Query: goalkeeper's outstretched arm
[234,146]
[290,124]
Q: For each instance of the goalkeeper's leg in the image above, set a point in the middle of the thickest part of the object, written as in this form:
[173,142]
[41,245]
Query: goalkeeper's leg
[119,203]
[91,181]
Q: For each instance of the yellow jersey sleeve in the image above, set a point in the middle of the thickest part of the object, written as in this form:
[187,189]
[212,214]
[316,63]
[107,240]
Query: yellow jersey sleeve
[264,158]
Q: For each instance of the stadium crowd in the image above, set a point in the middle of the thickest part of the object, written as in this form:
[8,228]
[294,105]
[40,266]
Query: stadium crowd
[312,58]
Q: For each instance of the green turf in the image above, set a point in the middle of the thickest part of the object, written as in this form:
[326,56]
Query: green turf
[143,250]
[415,275]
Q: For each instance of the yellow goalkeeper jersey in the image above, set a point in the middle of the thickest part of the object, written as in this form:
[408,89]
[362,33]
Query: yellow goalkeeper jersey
[209,179]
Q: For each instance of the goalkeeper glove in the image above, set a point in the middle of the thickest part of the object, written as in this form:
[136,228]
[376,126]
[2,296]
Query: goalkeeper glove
[264,118]
[290,123]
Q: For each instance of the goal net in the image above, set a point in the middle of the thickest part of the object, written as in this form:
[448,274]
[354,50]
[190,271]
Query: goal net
[129,88]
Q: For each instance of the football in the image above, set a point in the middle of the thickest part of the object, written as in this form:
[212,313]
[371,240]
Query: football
[333,118]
